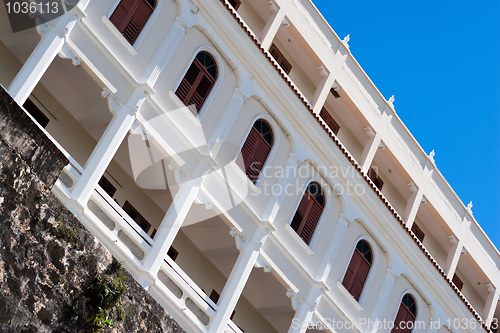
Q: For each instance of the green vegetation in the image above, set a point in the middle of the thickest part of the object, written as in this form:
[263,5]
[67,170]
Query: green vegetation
[70,235]
[105,295]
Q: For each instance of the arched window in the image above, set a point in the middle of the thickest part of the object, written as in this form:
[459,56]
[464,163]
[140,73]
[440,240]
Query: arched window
[256,149]
[406,315]
[307,215]
[130,16]
[198,81]
[358,269]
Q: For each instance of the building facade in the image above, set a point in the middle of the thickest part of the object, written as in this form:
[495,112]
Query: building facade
[248,173]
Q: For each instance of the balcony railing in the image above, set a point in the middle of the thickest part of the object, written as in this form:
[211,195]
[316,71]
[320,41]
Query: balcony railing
[128,243]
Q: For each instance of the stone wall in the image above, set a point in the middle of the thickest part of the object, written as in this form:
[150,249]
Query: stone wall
[50,266]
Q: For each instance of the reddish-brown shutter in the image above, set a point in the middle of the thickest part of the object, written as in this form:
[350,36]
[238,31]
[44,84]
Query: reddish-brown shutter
[352,269]
[418,232]
[457,282]
[306,217]
[235,4]
[280,59]
[130,16]
[356,274]
[372,174]
[195,86]
[330,122]
[300,214]
[188,81]
[311,221]
[255,151]
[403,316]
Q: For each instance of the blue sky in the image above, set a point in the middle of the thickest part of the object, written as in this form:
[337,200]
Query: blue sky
[441,60]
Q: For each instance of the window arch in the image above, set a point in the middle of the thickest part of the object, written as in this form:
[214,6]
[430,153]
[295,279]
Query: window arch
[256,149]
[309,211]
[406,315]
[130,16]
[198,81]
[358,269]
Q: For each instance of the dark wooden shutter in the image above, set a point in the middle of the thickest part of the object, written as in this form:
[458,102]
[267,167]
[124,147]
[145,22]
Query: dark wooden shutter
[107,186]
[280,59]
[130,16]
[306,217]
[457,282]
[188,81]
[404,315]
[418,232]
[195,86]
[356,274]
[235,4]
[372,174]
[300,214]
[36,113]
[255,151]
[136,216]
[172,253]
[330,122]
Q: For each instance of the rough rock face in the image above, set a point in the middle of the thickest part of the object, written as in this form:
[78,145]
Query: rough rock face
[49,263]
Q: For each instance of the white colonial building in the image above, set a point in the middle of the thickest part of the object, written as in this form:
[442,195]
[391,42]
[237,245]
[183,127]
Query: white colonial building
[249,174]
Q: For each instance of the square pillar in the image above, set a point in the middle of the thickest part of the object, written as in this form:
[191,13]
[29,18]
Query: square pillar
[490,304]
[326,264]
[370,149]
[105,150]
[381,302]
[249,252]
[456,250]
[413,204]
[322,90]
[272,25]
[169,228]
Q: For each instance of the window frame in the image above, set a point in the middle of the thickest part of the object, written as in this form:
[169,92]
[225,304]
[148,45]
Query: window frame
[137,38]
[329,121]
[349,285]
[218,77]
[310,241]
[280,59]
[253,152]
[401,307]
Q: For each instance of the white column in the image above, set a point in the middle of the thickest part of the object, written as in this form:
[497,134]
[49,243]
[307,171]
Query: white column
[52,41]
[322,90]
[164,52]
[169,227]
[249,252]
[491,304]
[370,149]
[272,25]
[326,264]
[381,302]
[280,189]
[36,65]
[301,319]
[105,149]
[304,310]
[456,250]
[226,122]
[413,204]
